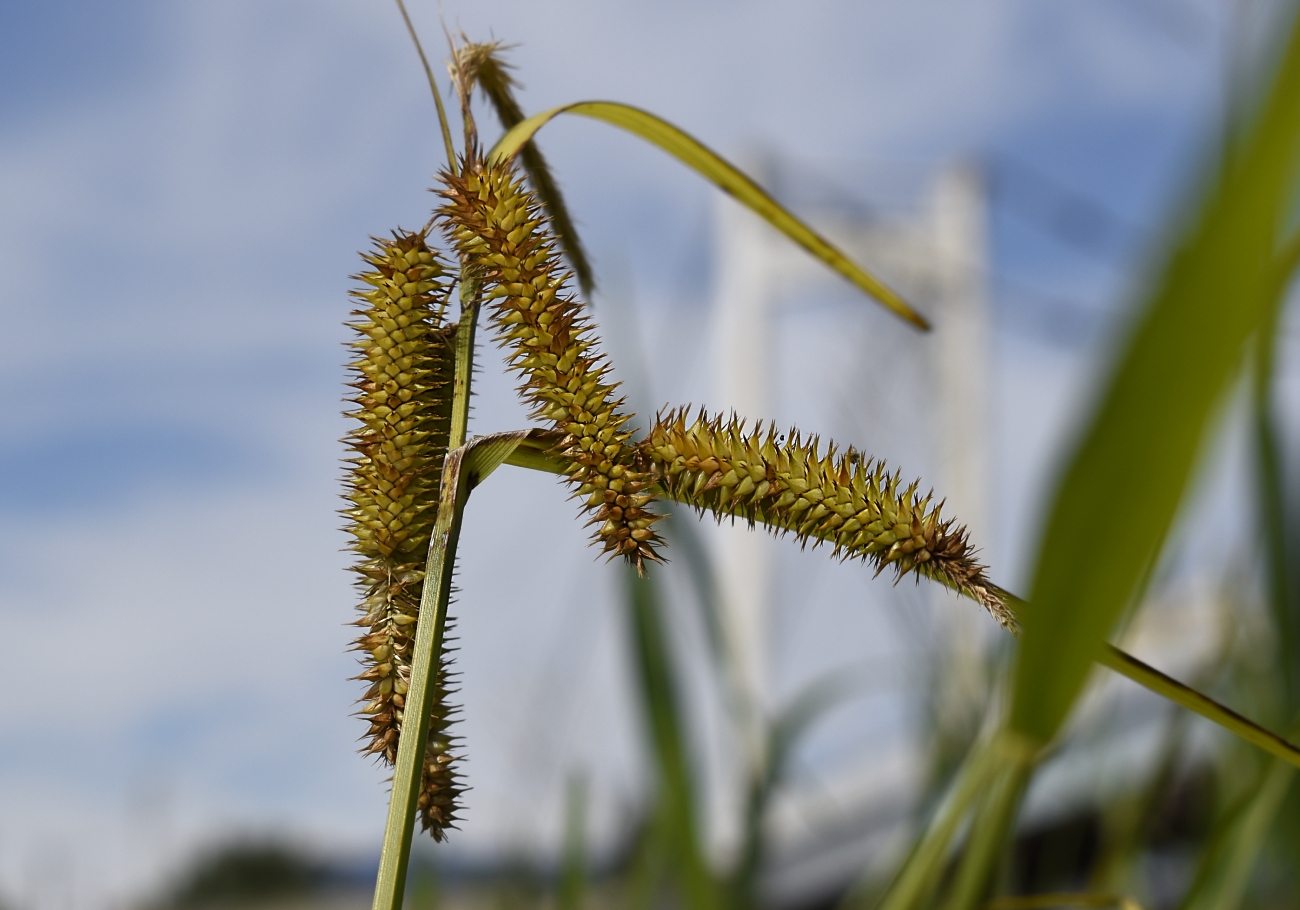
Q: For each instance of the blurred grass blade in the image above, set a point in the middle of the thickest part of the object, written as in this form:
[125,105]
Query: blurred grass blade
[723,174]
[990,831]
[921,872]
[1121,490]
[783,735]
[573,868]
[676,810]
[1223,873]
[1050,901]
[495,81]
[1273,497]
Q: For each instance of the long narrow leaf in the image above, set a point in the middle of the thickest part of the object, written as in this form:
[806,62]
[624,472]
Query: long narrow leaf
[1122,488]
[1224,871]
[920,874]
[715,168]
[677,810]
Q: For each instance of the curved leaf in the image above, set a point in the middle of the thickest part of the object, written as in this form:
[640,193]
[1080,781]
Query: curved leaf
[719,171]
[1122,488]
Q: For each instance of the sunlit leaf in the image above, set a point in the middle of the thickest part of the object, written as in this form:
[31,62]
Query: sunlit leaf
[726,176]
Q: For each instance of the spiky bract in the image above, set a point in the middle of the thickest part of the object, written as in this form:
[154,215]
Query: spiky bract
[402,374]
[499,229]
[785,483]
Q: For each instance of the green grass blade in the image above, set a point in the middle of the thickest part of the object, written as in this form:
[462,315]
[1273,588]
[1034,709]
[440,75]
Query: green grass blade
[920,873]
[1123,485]
[573,867]
[433,87]
[1224,872]
[783,735]
[1150,678]
[720,172]
[676,804]
[1283,592]
[990,832]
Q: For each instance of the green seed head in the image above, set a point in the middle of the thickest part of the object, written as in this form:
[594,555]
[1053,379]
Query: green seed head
[853,504]
[402,375]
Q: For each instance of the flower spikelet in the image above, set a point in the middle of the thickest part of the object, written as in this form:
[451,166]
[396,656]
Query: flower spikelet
[402,374]
[498,226]
[851,503]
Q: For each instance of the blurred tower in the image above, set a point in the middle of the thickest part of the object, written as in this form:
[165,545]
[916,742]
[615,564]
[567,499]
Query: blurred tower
[937,257]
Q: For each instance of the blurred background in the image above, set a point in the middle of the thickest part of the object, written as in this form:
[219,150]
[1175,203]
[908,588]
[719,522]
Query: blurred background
[183,187]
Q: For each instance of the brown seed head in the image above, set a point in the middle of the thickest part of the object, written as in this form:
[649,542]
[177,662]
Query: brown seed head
[498,226]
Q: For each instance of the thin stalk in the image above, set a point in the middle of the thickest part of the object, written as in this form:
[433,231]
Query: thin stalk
[1048,901]
[1150,678]
[399,829]
[433,87]
[469,300]
[533,452]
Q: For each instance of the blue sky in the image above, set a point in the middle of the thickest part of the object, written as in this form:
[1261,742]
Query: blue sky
[184,187]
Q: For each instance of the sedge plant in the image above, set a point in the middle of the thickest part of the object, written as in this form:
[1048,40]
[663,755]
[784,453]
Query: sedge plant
[509,252]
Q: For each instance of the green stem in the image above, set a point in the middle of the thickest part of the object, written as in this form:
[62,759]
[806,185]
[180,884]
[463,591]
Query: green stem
[469,300]
[1149,677]
[415,719]
[456,482]
[533,453]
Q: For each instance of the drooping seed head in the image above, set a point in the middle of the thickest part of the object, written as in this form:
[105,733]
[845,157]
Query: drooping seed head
[497,225]
[853,504]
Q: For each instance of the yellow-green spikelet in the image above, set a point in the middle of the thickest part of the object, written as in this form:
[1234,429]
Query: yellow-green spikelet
[498,226]
[853,504]
[402,375]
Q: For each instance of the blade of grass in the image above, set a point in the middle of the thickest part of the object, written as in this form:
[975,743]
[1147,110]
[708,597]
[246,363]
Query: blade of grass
[720,172]
[1123,485]
[676,800]
[573,869]
[991,830]
[1283,596]
[433,87]
[1047,901]
[1150,678]
[464,468]
[1223,873]
[919,875]
[783,735]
